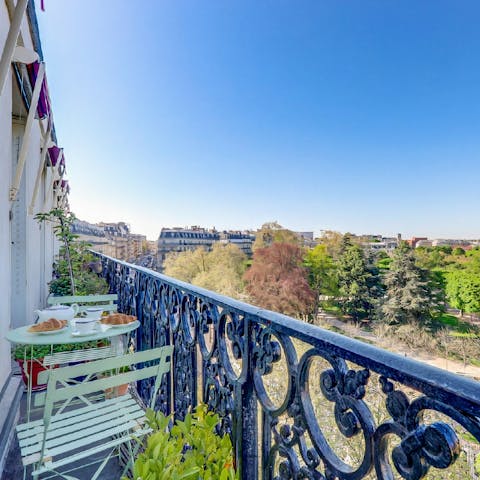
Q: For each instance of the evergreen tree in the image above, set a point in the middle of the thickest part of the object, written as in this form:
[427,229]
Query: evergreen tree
[409,296]
[358,283]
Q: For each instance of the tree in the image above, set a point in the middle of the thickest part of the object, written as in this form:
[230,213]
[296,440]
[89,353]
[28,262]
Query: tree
[75,271]
[463,290]
[273,232]
[185,265]
[224,269]
[332,241]
[278,281]
[358,284]
[220,270]
[409,297]
[321,272]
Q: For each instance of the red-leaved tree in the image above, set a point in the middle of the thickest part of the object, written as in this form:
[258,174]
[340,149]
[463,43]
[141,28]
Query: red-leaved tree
[278,281]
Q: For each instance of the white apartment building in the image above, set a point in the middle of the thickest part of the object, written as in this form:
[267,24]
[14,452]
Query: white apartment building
[32,180]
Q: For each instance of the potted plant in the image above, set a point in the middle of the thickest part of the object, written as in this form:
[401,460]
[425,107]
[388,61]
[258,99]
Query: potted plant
[30,358]
[76,271]
[188,450]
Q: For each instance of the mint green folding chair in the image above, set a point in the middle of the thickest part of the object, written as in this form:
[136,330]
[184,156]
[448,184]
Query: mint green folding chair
[95,427]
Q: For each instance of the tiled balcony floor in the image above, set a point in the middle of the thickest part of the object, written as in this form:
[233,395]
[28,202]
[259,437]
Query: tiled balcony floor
[13,469]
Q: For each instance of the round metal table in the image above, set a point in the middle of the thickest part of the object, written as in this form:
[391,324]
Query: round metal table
[67,335]
[21,336]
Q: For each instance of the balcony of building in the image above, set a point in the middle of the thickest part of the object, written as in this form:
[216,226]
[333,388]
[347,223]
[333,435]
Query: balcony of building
[299,401]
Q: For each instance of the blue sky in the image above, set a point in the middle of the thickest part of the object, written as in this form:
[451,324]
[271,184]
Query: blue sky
[360,116]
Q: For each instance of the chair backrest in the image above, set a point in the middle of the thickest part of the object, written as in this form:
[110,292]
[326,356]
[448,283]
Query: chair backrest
[149,363]
[87,301]
[58,377]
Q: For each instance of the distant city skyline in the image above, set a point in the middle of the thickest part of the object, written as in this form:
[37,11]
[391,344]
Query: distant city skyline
[317,232]
[349,116]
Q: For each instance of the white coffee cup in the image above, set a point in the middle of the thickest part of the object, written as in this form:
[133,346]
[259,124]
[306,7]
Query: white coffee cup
[85,325]
[94,312]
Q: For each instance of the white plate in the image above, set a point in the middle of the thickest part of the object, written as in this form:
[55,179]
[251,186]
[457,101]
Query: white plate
[49,332]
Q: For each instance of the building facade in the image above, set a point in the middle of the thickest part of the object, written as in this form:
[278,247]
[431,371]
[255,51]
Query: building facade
[112,239]
[182,239]
[32,180]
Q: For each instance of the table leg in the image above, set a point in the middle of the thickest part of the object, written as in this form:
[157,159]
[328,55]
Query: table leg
[119,344]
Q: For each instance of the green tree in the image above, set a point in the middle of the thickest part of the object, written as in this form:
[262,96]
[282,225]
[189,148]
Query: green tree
[220,270]
[358,284]
[409,296]
[75,271]
[321,272]
[273,232]
[224,269]
[463,290]
[332,241]
[185,265]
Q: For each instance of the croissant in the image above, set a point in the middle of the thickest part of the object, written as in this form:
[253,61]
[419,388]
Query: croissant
[48,326]
[118,319]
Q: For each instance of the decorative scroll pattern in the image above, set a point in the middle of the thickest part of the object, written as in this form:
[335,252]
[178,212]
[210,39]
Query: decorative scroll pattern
[226,351]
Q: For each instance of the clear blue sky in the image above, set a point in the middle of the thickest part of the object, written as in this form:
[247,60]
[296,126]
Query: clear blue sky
[359,116]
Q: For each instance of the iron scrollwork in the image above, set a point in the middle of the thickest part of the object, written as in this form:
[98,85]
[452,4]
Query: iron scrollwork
[228,354]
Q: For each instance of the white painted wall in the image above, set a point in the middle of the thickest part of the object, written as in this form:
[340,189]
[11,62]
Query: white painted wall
[5,176]
[23,290]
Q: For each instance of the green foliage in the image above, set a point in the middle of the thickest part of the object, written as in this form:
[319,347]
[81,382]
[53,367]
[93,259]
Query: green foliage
[220,270]
[332,241]
[409,294]
[188,450]
[72,273]
[321,270]
[358,283]
[463,289]
[39,351]
[273,232]
[384,263]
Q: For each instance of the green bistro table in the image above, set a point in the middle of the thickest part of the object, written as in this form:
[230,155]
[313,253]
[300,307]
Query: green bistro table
[116,334]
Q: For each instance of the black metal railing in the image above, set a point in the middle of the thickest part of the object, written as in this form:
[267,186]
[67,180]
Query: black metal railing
[300,401]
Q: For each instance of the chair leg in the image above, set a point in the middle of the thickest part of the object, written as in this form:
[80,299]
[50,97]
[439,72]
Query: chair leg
[102,466]
[132,452]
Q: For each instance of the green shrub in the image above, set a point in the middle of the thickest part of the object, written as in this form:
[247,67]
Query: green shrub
[72,272]
[188,450]
[39,351]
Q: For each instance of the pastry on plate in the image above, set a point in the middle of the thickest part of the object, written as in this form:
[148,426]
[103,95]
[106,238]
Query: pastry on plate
[49,325]
[118,319]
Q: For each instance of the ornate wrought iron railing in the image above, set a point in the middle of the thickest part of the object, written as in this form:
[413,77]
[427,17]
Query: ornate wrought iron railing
[300,401]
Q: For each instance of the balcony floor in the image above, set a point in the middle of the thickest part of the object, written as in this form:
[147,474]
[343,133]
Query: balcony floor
[13,468]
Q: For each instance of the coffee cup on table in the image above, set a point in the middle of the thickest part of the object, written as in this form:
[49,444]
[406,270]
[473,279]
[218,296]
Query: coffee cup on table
[85,325]
[94,313]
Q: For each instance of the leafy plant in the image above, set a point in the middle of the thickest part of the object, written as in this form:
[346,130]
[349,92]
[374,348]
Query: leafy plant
[39,351]
[72,272]
[188,450]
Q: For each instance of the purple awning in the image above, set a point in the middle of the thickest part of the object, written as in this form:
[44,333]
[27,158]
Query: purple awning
[54,152]
[43,107]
